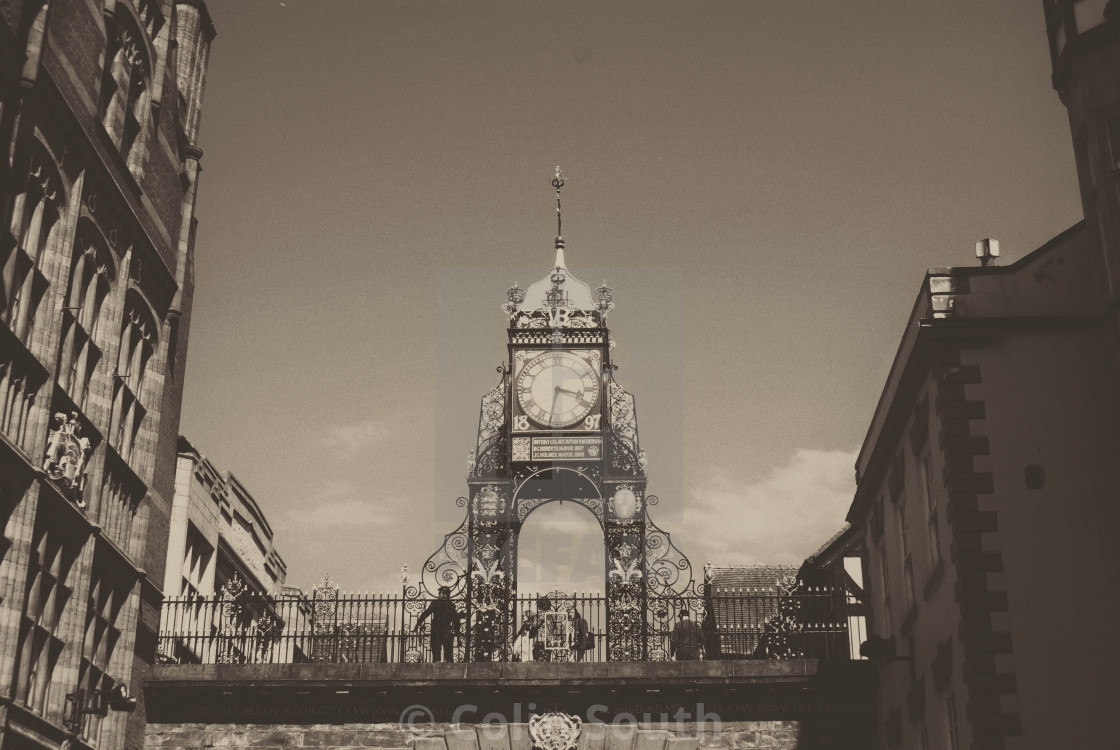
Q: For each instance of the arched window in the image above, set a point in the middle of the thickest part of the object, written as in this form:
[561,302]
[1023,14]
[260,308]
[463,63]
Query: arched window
[126,87]
[138,341]
[92,272]
[48,592]
[106,609]
[35,214]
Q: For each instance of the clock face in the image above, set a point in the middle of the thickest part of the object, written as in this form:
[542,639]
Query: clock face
[557,389]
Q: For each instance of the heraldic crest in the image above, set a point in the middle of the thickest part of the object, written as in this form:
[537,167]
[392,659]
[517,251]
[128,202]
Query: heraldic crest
[554,731]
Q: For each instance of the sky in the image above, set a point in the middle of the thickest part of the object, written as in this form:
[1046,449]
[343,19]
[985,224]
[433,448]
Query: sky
[763,184]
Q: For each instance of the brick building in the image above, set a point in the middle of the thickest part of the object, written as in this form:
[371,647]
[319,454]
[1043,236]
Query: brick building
[100,103]
[987,482]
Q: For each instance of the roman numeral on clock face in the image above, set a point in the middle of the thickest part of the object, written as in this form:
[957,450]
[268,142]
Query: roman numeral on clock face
[557,388]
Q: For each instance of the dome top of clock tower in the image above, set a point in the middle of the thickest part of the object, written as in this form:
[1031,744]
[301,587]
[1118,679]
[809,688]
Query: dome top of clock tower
[559,288]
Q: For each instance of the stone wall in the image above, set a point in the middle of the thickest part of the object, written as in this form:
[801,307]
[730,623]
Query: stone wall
[760,735]
[765,705]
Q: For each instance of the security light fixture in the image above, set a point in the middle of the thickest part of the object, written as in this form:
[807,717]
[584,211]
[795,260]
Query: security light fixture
[986,250]
[99,704]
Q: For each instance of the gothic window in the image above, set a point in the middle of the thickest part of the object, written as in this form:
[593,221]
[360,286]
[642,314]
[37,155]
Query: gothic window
[34,219]
[48,593]
[126,88]
[92,273]
[932,525]
[138,341]
[120,497]
[107,597]
[18,386]
[151,18]
[11,490]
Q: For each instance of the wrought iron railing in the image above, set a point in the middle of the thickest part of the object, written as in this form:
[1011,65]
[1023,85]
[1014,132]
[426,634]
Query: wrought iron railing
[764,623]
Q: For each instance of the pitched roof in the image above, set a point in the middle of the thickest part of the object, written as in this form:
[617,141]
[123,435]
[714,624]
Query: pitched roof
[749,576]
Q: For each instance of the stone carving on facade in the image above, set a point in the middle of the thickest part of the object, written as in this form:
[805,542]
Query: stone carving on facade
[245,544]
[67,455]
[554,731]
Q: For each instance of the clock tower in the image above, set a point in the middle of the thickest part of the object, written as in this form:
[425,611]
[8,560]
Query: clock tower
[559,427]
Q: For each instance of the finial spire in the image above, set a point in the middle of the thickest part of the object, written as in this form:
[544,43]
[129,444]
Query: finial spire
[558,182]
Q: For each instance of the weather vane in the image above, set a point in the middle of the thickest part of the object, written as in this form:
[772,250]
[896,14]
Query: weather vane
[558,182]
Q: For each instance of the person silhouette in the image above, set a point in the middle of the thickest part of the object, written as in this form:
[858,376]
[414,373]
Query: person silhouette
[445,625]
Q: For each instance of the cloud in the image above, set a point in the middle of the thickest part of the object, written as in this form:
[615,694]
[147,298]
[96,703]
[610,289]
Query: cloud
[335,505]
[780,519]
[351,440]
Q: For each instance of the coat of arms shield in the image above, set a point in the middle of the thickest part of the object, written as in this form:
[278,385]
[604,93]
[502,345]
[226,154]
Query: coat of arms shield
[554,731]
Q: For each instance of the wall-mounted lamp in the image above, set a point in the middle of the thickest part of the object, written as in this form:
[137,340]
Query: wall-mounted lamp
[99,703]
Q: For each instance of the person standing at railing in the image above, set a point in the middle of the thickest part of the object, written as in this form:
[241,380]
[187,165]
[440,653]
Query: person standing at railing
[446,626]
[582,640]
[685,641]
[535,625]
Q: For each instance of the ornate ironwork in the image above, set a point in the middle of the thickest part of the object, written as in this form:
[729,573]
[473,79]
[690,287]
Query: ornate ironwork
[605,296]
[492,564]
[781,635]
[324,618]
[624,451]
[447,566]
[626,594]
[668,570]
[542,318]
[558,182]
[235,621]
[515,295]
[776,622]
[490,454]
[529,504]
